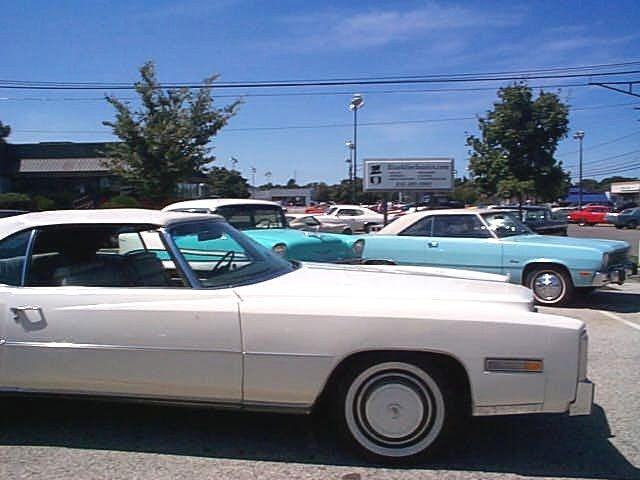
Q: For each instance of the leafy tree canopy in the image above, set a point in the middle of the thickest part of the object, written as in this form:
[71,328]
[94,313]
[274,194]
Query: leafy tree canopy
[514,154]
[166,139]
[228,183]
[5,130]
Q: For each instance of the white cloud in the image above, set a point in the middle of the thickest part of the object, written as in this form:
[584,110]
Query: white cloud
[372,28]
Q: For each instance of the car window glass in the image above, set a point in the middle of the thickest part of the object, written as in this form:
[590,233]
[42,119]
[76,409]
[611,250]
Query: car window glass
[100,256]
[459,226]
[421,228]
[331,211]
[347,212]
[12,257]
[312,222]
[534,215]
[245,217]
[220,257]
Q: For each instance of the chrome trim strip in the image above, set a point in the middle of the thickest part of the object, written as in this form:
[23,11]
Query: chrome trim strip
[94,346]
[292,408]
[27,257]
[179,260]
[480,411]
[288,354]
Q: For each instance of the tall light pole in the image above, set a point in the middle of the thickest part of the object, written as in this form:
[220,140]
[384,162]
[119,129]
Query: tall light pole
[253,176]
[579,135]
[355,104]
[349,145]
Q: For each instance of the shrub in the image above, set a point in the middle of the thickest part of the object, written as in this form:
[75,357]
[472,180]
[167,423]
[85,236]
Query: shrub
[121,201]
[15,201]
[43,203]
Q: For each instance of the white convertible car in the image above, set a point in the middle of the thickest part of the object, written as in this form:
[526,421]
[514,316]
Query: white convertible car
[183,308]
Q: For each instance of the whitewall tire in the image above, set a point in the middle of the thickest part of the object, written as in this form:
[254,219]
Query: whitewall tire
[393,411]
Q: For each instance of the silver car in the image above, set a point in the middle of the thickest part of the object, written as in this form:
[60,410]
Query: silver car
[309,223]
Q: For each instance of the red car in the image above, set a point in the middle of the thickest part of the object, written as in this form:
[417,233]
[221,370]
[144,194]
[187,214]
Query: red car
[589,215]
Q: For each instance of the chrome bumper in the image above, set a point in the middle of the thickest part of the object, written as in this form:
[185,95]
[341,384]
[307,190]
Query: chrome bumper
[584,399]
[615,275]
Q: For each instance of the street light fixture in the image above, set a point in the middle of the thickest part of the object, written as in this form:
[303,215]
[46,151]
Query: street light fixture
[579,135]
[355,104]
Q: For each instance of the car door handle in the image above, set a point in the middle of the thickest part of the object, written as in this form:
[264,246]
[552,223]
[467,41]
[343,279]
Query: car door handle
[24,308]
[433,244]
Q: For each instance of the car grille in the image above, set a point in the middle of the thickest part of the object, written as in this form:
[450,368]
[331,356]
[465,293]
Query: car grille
[618,257]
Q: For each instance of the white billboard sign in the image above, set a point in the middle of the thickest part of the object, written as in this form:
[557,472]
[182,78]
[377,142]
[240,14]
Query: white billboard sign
[408,174]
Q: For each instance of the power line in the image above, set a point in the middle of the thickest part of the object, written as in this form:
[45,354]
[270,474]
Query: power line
[531,71]
[606,159]
[458,78]
[622,168]
[280,127]
[608,142]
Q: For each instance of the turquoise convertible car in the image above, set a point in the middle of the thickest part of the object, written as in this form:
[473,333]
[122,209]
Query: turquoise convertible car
[265,223]
[496,241]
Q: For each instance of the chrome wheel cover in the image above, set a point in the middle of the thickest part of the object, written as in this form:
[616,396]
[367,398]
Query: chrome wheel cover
[548,286]
[394,409]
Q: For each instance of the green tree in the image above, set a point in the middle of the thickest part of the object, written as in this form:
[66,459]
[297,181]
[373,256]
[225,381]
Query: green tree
[166,139]
[465,190]
[5,130]
[291,183]
[228,183]
[514,155]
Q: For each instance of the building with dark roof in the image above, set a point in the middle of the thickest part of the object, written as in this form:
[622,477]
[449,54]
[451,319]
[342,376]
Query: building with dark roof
[74,170]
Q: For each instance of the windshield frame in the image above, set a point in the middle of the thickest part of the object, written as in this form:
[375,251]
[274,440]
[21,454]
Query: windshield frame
[278,267]
[510,213]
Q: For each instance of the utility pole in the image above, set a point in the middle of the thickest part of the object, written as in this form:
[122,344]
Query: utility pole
[356,103]
[253,176]
[579,135]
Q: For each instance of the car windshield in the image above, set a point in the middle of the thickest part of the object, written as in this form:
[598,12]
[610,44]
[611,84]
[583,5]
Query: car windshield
[534,215]
[247,217]
[505,224]
[220,256]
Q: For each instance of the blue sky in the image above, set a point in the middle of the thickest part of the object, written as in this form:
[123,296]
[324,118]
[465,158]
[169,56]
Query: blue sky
[107,41]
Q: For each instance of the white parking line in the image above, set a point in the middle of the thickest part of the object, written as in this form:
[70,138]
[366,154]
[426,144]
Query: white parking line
[621,320]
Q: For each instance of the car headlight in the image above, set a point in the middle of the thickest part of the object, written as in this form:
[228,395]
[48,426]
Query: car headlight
[280,249]
[605,260]
[358,247]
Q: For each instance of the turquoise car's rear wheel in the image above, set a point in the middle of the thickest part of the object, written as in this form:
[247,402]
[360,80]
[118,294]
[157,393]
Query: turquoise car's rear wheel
[550,285]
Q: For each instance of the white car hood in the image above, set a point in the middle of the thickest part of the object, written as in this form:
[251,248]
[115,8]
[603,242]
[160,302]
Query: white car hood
[367,282]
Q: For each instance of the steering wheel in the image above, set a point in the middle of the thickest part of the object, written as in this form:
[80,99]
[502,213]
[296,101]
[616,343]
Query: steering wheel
[228,257]
[264,221]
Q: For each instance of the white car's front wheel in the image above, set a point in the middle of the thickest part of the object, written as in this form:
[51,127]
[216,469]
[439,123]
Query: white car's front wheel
[393,411]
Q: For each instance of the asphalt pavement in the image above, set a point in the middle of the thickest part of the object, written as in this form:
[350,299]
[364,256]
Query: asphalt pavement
[608,232]
[62,439]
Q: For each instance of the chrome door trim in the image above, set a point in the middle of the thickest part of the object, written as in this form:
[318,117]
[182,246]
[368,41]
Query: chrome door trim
[27,257]
[95,346]
[179,259]
[292,408]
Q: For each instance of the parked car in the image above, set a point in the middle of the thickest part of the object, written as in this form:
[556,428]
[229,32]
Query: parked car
[539,219]
[265,222]
[495,241]
[589,215]
[562,213]
[357,217]
[92,309]
[629,218]
[310,223]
